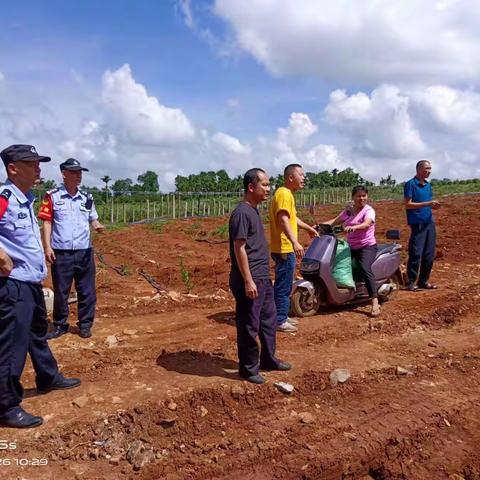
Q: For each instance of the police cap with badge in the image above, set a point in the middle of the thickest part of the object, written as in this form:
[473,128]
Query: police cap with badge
[72,165]
[21,153]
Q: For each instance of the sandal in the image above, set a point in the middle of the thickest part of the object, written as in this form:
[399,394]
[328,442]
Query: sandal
[411,287]
[428,286]
[375,312]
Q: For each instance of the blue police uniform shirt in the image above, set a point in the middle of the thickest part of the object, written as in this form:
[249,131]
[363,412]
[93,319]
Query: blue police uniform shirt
[418,193]
[20,235]
[70,216]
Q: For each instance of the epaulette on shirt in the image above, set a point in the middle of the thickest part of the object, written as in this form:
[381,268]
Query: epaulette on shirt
[49,192]
[5,195]
[89,197]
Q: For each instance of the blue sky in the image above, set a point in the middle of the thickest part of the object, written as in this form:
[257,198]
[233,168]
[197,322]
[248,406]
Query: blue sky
[179,86]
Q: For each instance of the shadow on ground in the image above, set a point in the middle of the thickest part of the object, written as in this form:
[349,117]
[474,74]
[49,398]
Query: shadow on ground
[203,364]
[223,317]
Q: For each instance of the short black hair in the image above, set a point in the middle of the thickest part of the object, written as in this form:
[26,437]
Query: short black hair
[289,168]
[251,177]
[359,188]
[421,163]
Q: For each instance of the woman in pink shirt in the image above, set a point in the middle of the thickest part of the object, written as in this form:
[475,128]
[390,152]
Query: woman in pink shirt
[359,222]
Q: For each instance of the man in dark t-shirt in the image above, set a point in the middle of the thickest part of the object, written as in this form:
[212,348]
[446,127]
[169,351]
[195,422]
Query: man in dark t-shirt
[250,282]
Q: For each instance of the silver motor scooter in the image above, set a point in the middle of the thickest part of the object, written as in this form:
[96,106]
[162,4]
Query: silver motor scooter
[318,288]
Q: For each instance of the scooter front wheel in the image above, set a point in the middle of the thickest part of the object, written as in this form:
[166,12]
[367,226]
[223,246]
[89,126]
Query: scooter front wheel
[304,303]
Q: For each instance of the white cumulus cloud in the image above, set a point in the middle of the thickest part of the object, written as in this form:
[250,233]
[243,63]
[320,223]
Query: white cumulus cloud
[378,124]
[139,117]
[231,144]
[369,41]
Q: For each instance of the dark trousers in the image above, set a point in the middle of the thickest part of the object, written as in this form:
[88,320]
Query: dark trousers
[255,318]
[77,265]
[421,252]
[23,328]
[365,257]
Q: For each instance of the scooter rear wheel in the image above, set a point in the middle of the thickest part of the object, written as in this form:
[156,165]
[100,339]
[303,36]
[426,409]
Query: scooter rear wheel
[304,303]
[394,281]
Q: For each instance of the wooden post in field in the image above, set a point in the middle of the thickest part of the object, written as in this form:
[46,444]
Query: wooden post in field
[186,208]
[133,213]
[111,211]
[173,207]
[124,213]
[154,210]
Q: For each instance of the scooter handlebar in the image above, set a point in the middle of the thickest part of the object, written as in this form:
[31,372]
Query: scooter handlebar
[327,229]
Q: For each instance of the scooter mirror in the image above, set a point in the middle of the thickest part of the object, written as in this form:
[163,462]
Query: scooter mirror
[393,234]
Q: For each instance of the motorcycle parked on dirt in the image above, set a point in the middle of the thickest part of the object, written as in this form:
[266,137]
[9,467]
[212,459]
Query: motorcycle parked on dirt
[318,288]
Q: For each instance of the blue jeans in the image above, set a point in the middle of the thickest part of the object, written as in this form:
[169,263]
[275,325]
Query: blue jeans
[284,270]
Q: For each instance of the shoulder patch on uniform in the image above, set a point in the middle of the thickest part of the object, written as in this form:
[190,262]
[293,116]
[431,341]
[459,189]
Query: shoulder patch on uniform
[6,194]
[55,190]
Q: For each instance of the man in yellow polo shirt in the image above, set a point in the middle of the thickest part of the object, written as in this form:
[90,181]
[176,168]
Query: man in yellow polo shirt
[284,243]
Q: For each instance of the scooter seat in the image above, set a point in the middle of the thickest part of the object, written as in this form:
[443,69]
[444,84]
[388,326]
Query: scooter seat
[385,248]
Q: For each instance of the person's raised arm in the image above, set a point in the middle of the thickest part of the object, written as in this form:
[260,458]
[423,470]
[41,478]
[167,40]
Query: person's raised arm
[305,226]
[410,205]
[242,262]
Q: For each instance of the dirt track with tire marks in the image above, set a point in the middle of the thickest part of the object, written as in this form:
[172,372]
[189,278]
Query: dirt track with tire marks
[168,393]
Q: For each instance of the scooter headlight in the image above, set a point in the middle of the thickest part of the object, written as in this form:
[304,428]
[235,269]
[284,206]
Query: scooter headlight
[308,265]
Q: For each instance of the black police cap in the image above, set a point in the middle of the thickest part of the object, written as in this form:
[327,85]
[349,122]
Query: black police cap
[23,153]
[72,164]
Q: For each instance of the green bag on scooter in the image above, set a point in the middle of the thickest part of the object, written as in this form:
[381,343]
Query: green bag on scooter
[342,269]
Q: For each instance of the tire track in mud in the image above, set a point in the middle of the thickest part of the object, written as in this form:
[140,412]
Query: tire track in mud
[375,424]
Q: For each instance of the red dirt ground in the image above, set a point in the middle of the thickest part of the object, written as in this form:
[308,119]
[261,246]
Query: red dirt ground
[165,400]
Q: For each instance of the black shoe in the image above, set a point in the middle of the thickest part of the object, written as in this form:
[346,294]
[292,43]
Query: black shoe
[57,332]
[85,333]
[17,417]
[281,366]
[61,383]
[258,379]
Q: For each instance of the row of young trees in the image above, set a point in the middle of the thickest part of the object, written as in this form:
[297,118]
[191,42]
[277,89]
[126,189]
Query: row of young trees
[220,181]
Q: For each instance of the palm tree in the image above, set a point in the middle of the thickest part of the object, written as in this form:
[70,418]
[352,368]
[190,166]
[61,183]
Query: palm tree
[106,179]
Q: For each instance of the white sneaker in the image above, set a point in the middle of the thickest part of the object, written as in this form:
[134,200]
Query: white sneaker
[287,327]
[293,321]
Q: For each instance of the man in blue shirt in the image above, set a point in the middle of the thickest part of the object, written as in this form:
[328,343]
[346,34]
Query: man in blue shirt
[421,247]
[23,316]
[67,215]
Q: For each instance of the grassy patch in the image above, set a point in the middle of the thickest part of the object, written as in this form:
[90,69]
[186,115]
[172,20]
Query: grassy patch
[158,227]
[220,232]
[185,275]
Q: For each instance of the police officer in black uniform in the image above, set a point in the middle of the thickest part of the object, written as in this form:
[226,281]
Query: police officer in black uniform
[23,316]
